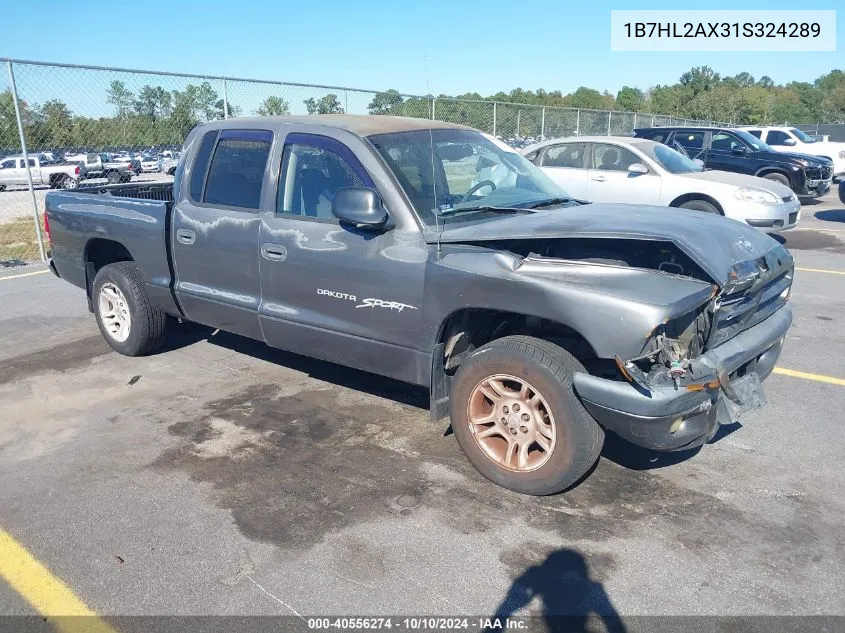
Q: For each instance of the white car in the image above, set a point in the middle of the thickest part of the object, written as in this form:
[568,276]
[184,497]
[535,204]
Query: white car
[150,164]
[791,139]
[639,171]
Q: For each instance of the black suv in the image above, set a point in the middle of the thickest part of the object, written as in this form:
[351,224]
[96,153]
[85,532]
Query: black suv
[738,151]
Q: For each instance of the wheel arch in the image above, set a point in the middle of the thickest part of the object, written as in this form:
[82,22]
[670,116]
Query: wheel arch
[688,197]
[100,252]
[465,329]
[765,171]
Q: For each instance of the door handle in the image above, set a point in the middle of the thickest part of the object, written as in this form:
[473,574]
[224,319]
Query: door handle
[274,252]
[186,236]
[598,178]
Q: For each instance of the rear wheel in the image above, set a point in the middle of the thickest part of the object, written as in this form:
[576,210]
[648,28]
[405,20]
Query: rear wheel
[700,205]
[68,182]
[2,187]
[516,416]
[127,318]
[113,177]
[778,178]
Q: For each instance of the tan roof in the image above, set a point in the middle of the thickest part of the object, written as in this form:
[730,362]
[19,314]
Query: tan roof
[362,125]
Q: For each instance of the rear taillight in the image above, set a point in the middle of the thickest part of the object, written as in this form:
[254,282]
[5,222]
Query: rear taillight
[76,171]
[47,226]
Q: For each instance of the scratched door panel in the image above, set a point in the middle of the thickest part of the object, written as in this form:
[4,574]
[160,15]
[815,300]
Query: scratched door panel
[344,294]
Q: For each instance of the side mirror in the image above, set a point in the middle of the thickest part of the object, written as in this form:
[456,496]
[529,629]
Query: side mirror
[359,205]
[698,162]
[637,169]
[738,149]
[789,142]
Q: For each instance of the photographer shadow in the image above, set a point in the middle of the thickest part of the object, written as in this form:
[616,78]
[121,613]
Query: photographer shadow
[572,601]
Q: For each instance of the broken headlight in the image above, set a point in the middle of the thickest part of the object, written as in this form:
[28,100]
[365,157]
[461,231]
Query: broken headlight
[671,351]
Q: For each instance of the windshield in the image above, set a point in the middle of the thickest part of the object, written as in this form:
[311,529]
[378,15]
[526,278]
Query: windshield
[801,134]
[753,141]
[671,160]
[464,172]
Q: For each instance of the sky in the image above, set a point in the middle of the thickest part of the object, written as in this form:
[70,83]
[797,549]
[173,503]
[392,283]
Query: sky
[483,46]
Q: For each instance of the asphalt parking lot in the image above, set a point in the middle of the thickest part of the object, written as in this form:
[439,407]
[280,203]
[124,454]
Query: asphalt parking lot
[222,477]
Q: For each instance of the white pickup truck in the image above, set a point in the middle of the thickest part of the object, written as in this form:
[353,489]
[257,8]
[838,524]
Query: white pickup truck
[791,139]
[58,175]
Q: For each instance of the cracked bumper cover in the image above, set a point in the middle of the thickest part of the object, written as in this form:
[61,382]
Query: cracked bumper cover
[644,418]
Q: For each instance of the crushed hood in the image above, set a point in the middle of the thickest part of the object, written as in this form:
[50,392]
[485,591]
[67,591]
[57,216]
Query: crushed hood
[715,243]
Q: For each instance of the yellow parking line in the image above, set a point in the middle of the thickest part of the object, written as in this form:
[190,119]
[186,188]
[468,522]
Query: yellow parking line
[47,594]
[817,377]
[821,270]
[37,272]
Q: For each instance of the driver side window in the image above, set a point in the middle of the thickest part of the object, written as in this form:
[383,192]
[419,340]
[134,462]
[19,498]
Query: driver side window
[725,142]
[314,167]
[776,137]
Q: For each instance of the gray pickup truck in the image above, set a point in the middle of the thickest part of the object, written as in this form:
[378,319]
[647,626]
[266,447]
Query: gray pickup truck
[436,255]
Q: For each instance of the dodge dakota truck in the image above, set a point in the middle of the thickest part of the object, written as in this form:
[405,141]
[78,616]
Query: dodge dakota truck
[434,254]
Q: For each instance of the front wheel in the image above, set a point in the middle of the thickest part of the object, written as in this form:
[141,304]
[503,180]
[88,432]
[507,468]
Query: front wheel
[778,178]
[128,320]
[700,205]
[516,416]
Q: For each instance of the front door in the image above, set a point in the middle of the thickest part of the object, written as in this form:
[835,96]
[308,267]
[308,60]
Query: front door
[729,153]
[608,179]
[215,231]
[334,291]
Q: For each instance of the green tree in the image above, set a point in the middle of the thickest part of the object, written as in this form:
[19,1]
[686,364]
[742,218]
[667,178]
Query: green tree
[700,79]
[630,99]
[53,125]
[273,106]
[120,97]
[326,105]
[385,102]
[588,98]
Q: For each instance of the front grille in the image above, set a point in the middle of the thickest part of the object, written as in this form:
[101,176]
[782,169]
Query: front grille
[827,172]
[788,198]
[793,217]
[741,310]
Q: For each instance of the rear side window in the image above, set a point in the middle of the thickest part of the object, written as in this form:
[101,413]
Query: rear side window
[565,155]
[237,169]
[690,140]
[200,165]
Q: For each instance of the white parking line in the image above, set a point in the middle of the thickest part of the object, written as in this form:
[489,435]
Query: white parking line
[37,272]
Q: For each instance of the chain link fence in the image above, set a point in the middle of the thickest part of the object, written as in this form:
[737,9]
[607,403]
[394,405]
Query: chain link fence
[105,116]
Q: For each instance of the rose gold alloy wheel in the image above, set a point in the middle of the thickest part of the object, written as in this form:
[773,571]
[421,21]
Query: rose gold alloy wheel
[511,422]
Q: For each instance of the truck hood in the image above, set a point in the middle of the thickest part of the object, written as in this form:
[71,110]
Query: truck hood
[717,244]
[792,158]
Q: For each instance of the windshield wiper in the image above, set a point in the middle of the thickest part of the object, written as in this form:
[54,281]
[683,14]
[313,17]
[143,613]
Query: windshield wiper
[551,202]
[458,211]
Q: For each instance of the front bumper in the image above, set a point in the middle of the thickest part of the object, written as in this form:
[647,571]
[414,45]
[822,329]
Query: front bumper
[769,218]
[816,187]
[651,418]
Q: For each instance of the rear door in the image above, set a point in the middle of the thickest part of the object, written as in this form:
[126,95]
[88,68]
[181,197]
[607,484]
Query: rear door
[35,171]
[608,179]
[215,230]
[728,152]
[566,164]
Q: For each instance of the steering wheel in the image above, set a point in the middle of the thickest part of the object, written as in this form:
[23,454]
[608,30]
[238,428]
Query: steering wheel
[476,187]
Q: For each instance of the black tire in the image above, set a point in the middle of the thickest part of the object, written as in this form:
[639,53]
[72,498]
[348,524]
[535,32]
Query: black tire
[68,182]
[700,205]
[113,177]
[549,369]
[147,322]
[776,177]
[2,187]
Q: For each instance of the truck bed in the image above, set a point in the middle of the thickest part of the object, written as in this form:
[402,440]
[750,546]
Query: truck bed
[133,218]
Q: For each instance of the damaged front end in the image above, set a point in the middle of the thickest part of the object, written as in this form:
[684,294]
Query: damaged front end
[704,368]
